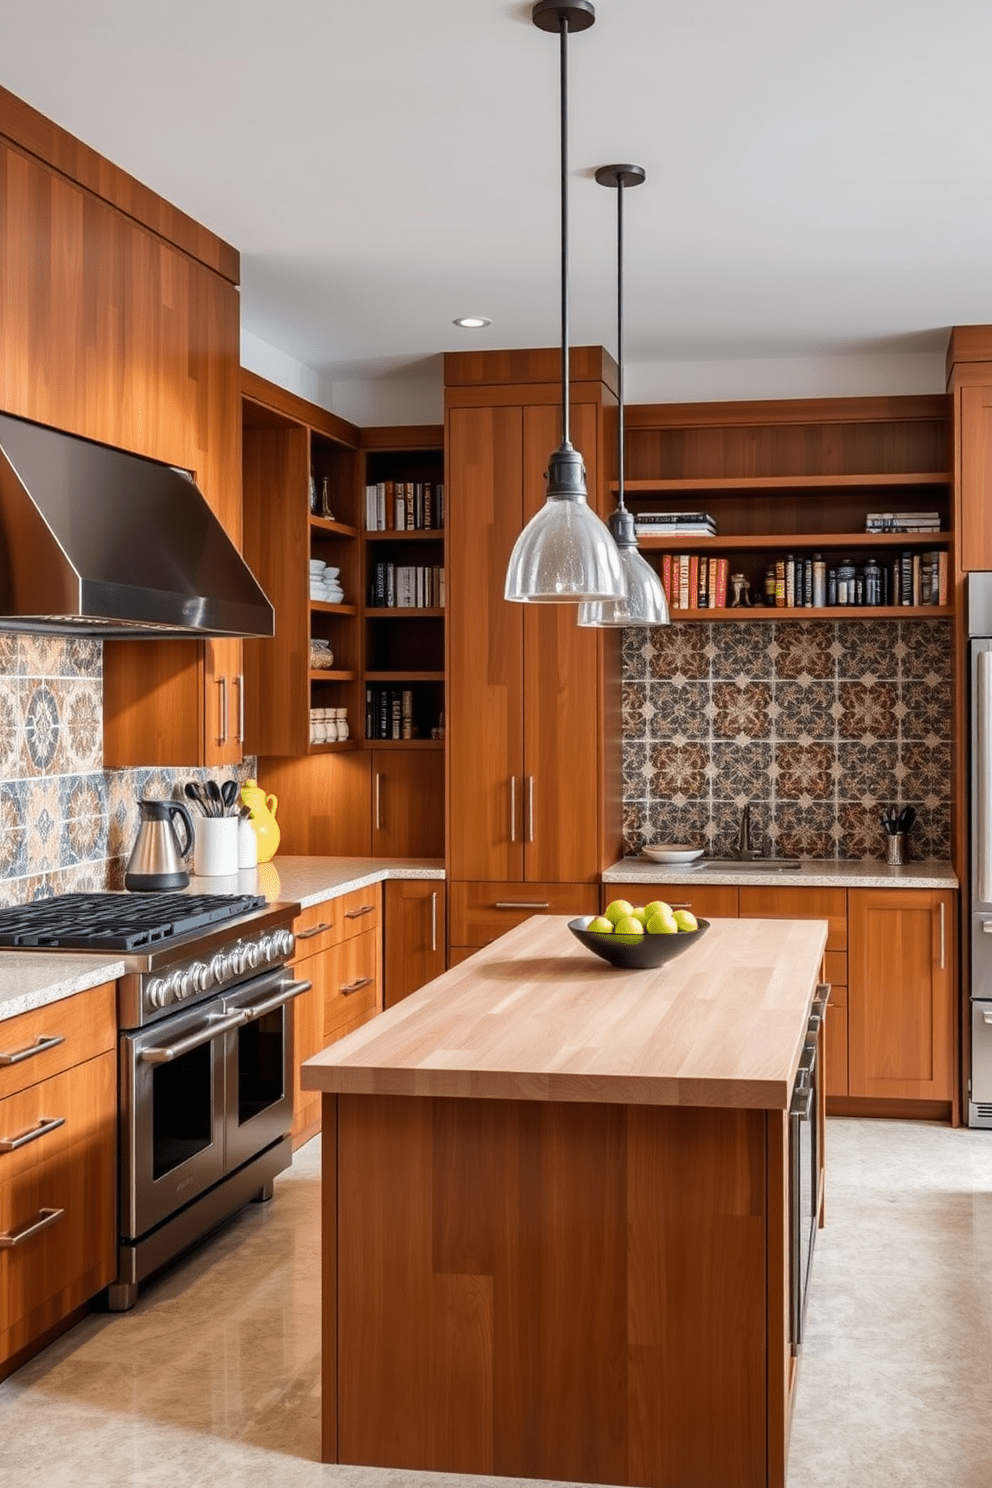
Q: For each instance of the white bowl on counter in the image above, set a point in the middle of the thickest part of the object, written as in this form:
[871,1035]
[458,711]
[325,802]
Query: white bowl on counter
[673,852]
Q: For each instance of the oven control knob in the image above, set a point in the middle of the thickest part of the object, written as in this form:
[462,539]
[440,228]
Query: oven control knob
[219,969]
[266,948]
[239,959]
[285,942]
[201,976]
[155,992]
[255,956]
[173,987]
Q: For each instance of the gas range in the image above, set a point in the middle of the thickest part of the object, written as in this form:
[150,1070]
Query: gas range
[177,948]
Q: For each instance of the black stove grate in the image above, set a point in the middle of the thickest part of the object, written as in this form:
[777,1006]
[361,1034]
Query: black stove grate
[117,922]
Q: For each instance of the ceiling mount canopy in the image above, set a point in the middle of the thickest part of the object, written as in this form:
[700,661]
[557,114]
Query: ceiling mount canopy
[643,602]
[565,554]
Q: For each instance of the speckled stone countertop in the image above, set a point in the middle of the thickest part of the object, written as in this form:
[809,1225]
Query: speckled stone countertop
[32,979]
[815,873]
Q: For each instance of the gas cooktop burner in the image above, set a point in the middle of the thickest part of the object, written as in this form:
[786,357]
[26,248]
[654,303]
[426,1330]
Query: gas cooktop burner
[117,922]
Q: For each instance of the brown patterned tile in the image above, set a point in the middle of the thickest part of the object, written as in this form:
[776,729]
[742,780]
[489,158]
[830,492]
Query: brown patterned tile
[679,651]
[635,782]
[671,823]
[804,773]
[805,831]
[42,722]
[43,809]
[805,710]
[8,656]
[804,649]
[925,772]
[741,650]
[725,821]
[635,649]
[83,657]
[927,648]
[929,709]
[867,713]
[13,759]
[634,700]
[868,647]
[680,771]
[741,711]
[741,772]
[868,772]
[80,744]
[41,655]
[861,832]
[679,709]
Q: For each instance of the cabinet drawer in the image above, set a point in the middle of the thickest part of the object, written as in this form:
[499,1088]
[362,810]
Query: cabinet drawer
[481,912]
[70,1256]
[84,1025]
[835,970]
[335,920]
[352,980]
[836,1078]
[712,901]
[799,904]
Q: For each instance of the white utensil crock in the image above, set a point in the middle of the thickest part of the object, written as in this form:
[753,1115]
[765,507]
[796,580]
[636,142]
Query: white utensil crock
[215,846]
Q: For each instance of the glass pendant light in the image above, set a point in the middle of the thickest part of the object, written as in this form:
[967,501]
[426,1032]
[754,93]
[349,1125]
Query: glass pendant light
[565,554]
[644,602]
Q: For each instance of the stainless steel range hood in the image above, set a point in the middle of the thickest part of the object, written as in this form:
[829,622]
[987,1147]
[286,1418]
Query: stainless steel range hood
[100,542]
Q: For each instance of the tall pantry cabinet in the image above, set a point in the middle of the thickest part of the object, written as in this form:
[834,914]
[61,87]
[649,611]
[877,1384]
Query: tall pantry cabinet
[531,697]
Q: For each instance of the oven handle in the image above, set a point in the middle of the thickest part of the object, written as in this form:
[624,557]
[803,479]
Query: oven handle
[269,1006]
[219,1024]
[802,1102]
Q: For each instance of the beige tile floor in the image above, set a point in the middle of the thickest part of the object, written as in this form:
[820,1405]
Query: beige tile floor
[214,1377]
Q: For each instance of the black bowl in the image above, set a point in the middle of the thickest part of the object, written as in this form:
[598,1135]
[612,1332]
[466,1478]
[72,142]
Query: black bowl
[650,950]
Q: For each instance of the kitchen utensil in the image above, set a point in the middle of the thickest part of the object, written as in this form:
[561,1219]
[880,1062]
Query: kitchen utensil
[672,852]
[228,795]
[212,790]
[156,861]
[650,950]
[896,845]
[215,846]
[907,817]
[191,791]
[890,819]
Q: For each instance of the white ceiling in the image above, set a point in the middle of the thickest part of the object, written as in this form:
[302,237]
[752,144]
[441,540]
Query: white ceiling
[818,171]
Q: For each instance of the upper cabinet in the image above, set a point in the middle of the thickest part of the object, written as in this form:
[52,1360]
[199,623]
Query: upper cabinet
[969,381]
[121,324]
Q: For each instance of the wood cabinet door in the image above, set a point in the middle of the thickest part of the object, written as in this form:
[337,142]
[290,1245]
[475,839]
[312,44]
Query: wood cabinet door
[975,537]
[562,730]
[414,939]
[408,803]
[484,480]
[224,714]
[900,993]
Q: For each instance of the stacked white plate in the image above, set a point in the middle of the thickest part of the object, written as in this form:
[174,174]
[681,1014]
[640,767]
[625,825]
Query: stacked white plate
[325,585]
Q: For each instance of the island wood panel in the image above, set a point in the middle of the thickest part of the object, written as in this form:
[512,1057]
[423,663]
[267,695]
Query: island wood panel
[324,803]
[407,803]
[541,1290]
[53,1272]
[415,936]
[86,1025]
[710,901]
[484,642]
[900,996]
[561,689]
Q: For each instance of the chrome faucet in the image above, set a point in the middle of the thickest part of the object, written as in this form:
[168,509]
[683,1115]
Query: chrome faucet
[744,850]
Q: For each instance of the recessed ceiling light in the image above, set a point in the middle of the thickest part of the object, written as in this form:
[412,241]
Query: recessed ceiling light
[472,322]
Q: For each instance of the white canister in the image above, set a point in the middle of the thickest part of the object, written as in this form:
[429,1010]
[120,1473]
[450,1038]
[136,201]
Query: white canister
[247,844]
[331,725]
[215,846]
[343,730]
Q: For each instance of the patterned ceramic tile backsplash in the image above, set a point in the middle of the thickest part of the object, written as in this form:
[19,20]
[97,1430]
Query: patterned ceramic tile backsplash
[66,824]
[817,724]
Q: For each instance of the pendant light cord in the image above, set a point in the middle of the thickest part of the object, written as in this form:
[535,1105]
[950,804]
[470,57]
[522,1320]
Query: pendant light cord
[620,421]
[563,38]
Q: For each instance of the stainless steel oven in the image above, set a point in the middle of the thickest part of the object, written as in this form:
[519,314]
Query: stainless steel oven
[804,1171]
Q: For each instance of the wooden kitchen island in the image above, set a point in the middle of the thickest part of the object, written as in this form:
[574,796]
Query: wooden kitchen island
[555,1214]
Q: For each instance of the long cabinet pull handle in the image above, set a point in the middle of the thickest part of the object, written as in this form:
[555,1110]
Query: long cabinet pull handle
[239,682]
[434,920]
[378,801]
[943,938]
[40,1045]
[523,903]
[530,808]
[18,1237]
[513,808]
[315,930]
[45,1125]
[356,914]
[983,772]
[222,732]
[349,987]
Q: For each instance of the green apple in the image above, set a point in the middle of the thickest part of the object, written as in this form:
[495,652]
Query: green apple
[639,913]
[628,930]
[618,910]
[601,925]
[660,924]
[657,906]
[686,920]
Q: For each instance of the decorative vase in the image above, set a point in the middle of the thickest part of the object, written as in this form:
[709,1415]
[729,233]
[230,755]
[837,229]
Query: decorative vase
[263,819]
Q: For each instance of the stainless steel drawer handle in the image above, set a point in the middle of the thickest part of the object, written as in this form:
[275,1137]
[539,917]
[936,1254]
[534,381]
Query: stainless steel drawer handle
[45,1125]
[523,904]
[987,1016]
[239,682]
[18,1237]
[355,914]
[349,987]
[195,1041]
[513,808]
[943,935]
[295,989]
[45,1041]
[530,808]
[802,1103]
[315,930]
[434,920]
[222,706]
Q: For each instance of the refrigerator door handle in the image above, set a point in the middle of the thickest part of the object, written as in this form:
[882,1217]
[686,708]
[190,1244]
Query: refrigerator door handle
[983,772]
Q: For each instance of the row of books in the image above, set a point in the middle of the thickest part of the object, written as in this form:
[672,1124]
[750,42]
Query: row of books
[922,521]
[389,713]
[404,506]
[694,582]
[406,586]
[666,524]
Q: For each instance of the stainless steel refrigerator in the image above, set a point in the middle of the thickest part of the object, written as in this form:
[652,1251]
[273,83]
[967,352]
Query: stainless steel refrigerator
[980,847]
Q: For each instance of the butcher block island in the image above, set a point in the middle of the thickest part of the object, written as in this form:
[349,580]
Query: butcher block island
[556,1213]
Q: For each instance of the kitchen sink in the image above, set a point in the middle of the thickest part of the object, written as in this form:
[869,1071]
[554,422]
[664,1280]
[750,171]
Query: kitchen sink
[750,865]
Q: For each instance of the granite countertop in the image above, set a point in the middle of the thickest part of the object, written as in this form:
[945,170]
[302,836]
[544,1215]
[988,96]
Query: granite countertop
[535,1016]
[32,979]
[815,873]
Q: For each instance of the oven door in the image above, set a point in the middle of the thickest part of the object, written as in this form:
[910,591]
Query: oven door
[804,1162]
[260,1064]
[172,1113]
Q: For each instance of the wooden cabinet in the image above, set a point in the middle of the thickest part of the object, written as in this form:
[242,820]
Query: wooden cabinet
[407,803]
[338,950]
[58,1165]
[901,993]
[481,912]
[710,901]
[414,936]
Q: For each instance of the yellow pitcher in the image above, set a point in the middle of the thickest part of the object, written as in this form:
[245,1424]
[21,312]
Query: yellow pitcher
[263,818]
